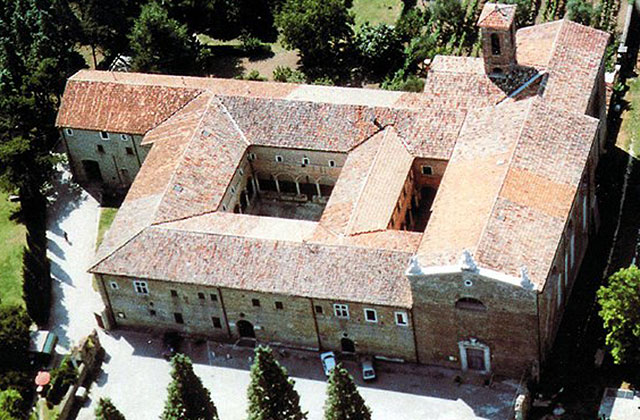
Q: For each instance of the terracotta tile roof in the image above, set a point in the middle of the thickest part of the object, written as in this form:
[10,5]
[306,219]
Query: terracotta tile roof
[327,272]
[534,44]
[494,15]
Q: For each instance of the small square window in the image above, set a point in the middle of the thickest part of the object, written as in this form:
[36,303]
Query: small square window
[100,149]
[114,285]
[124,137]
[401,319]
[121,315]
[341,310]
[104,135]
[178,317]
[279,158]
[427,170]
[332,163]
[214,297]
[255,302]
[200,295]
[305,161]
[233,190]
[141,287]
[69,132]
[241,172]
[216,322]
[370,315]
[279,305]
[152,312]
[252,156]
[224,208]
[318,309]
[129,150]
[174,293]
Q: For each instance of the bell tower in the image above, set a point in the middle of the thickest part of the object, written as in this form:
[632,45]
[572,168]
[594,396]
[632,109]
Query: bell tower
[498,34]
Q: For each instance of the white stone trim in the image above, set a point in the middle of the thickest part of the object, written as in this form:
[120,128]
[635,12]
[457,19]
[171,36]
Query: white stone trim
[473,343]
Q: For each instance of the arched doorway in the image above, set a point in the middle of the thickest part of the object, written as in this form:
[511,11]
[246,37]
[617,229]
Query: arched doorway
[245,329]
[348,346]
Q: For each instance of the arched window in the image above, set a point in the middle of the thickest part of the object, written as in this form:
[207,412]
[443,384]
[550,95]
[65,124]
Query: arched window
[495,44]
[470,304]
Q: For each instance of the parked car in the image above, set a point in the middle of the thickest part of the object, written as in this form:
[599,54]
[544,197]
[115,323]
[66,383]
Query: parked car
[368,371]
[328,360]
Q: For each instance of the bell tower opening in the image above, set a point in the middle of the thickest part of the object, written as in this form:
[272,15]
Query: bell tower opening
[497,31]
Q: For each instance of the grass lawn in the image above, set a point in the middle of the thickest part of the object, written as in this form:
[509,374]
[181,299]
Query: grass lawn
[12,240]
[376,11]
[630,128]
[106,218]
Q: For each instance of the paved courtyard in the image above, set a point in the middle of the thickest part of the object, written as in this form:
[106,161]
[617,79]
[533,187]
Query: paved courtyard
[135,375]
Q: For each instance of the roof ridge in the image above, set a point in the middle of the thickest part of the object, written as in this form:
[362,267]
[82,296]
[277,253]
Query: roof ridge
[173,114]
[116,249]
[225,110]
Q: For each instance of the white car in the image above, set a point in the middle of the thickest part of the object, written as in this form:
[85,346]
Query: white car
[368,371]
[328,362]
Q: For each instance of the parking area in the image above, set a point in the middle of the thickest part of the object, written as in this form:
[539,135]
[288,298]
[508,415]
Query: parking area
[135,376]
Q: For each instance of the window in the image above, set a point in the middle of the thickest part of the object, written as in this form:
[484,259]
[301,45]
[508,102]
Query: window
[241,172]
[401,319]
[124,137]
[341,310]
[470,304]
[178,317]
[224,207]
[255,302]
[559,286]
[216,322]
[252,156]
[69,132]
[495,44]
[141,287]
[100,149]
[200,295]
[305,161]
[585,214]
[104,135]
[332,163]
[279,305]
[233,190]
[566,268]
[129,150]
[318,309]
[370,315]
[174,293]
[214,297]
[152,312]
[114,285]
[121,315]
[279,158]
[426,170]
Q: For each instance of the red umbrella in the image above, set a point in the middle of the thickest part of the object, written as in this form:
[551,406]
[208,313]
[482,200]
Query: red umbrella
[43,378]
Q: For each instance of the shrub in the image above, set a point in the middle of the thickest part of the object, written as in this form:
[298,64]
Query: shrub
[411,83]
[62,378]
[580,11]
[253,46]
[410,24]
[14,337]
[287,74]
[36,283]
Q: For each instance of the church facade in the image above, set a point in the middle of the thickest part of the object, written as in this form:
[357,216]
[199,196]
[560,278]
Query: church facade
[444,227]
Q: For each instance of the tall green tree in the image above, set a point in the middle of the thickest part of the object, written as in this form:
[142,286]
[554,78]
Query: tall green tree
[107,411]
[620,310]
[343,399]
[381,49]
[320,30]
[11,405]
[160,44]
[271,394]
[188,399]
[580,11]
[14,336]
[104,24]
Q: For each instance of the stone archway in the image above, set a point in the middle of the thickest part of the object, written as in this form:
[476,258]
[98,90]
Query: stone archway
[245,329]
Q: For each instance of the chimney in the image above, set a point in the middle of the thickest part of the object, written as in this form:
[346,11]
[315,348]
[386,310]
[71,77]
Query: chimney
[498,34]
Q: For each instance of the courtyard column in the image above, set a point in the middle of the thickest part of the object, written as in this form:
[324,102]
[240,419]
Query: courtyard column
[318,189]
[298,187]
[256,184]
[277,185]
[246,195]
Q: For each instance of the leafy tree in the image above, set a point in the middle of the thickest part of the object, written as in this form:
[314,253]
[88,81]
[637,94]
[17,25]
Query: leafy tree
[620,311]
[11,405]
[343,399]
[36,286]
[525,13]
[160,44]
[320,30]
[411,24]
[380,48]
[580,11]
[104,24]
[447,19]
[188,399]
[271,394]
[107,411]
[14,336]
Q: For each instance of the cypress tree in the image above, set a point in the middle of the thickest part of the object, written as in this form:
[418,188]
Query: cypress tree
[107,411]
[343,399]
[271,394]
[188,399]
